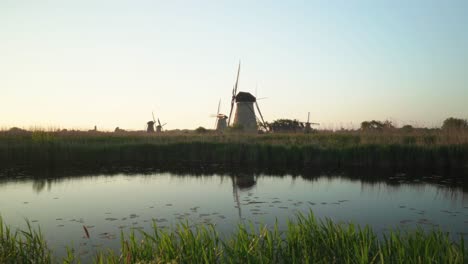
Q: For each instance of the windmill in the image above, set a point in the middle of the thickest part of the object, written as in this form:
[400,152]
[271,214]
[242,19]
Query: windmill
[150,125]
[220,123]
[244,116]
[308,128]
[159,126]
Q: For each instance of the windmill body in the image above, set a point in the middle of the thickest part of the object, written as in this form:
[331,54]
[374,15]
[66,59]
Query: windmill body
[221,123]
[221,120]
[308,127]
[150,127]
[159,127]
[244,116]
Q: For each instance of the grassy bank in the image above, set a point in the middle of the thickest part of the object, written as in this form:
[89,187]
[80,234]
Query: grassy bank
[432,149]
[305,241]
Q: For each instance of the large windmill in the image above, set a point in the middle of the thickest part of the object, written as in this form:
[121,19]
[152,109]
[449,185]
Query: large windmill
[308,128]
[220,124]
[244,117]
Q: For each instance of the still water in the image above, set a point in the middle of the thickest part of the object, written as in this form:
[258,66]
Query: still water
[108,204]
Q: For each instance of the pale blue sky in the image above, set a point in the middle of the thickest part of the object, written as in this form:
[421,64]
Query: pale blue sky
[76,64]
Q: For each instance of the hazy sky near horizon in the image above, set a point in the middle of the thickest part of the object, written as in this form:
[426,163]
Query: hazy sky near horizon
[76,64]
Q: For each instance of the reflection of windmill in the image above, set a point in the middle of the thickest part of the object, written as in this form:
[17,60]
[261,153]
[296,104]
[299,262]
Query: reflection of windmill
[159,126]
[308,124]
[150,125]
[220,124]
[244,117]
[243,183]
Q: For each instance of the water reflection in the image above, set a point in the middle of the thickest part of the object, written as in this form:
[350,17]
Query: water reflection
[112,200]
[452,184]
[243,182]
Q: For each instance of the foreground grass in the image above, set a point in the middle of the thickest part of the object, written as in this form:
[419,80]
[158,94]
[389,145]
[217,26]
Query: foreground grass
[389,149]
[23,246]
[305,241]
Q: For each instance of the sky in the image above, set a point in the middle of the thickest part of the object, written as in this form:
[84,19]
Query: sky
[111,63]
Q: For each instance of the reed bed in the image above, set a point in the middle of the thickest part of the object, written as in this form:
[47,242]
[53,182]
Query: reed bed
[20,246]
[392,149]
[306,240]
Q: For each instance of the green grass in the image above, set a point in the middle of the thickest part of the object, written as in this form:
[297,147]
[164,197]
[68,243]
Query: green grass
[392,149]
[306,240]
[21,246]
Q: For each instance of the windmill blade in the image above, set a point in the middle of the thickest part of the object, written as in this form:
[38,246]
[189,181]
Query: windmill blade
[234,92]
[308,117]
[216,123]
[164,124]
[159,122]
[260,113]
[153,117]
[219,107]
[230,112]
[237,80]
[261,98]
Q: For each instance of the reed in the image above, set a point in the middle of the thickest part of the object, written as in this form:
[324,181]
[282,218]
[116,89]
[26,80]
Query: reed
[426,149]
[306,240]
[23,246]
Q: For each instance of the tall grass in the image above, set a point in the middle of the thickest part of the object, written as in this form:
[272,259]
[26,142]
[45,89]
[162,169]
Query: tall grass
[433,149]
[306,240]
[20,246]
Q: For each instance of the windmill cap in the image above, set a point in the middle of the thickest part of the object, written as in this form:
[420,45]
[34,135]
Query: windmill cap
[245,97]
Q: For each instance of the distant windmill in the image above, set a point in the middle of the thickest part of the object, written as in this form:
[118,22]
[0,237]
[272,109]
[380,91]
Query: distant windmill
[150,125]
[308,124]
[159,126]
[220,123]
[244,116]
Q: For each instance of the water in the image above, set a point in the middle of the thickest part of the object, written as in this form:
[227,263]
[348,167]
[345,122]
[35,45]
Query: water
[108,204]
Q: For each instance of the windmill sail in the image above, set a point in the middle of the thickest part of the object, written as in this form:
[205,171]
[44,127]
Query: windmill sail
[260,113]
[234,92]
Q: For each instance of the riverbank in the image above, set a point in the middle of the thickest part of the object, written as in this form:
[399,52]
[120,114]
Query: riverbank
[388,150]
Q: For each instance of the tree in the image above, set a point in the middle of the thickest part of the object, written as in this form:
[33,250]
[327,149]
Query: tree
[407,128]
[454,123]
[286,125]
[376,125]
[201,130]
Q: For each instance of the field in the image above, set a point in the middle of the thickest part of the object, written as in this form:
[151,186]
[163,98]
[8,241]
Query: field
[394,149]
[306,240]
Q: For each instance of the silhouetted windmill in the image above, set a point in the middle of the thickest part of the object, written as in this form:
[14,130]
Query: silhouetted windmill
[308,128]
[244,116]
[159,126]
[220,123]
[150,125]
